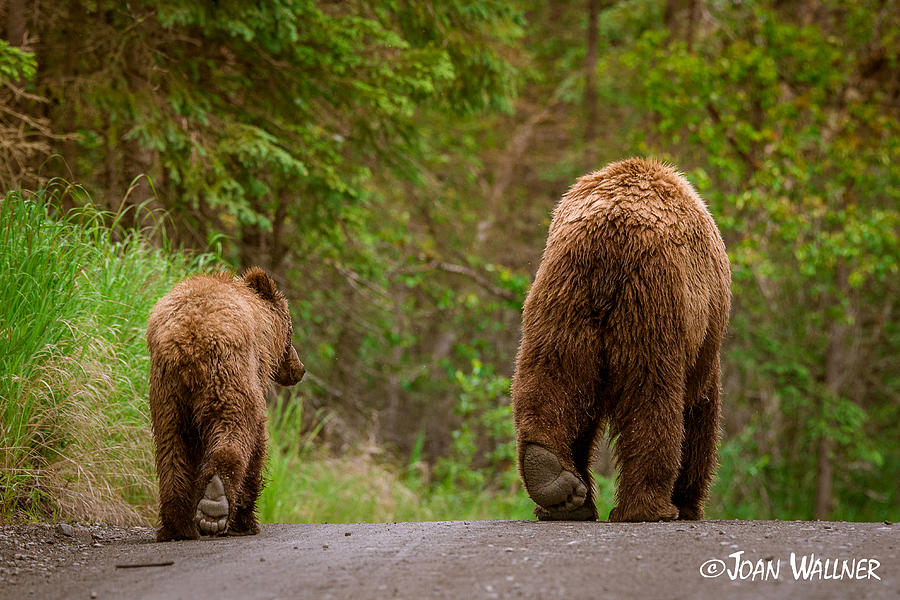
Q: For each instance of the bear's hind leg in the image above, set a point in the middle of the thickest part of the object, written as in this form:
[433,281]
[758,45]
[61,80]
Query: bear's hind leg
[575,508]
[213,508]
[225,419]
[245,521]
[559,493]
[698,456]
[648,452]
[549,447]
[176,472]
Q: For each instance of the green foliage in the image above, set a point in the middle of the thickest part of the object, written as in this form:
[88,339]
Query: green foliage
[305,485]
[395,165]
[16,63]
[484,444]
[75,433]
[482,454]
[290,447]
[244,104]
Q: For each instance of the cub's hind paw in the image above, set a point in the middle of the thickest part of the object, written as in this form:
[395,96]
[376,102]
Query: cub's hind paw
[548,484]
[582,513]
[242,532]
[212,510]
[243,522]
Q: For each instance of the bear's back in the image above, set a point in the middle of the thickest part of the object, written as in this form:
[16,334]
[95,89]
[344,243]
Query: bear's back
[205,317]
[636,200]
[628,244]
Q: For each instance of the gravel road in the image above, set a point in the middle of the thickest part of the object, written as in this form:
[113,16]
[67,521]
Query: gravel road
[469,560]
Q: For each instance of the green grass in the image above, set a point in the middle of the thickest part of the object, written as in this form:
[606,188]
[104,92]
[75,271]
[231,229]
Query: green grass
[306,485]
[75,441]
[74,301]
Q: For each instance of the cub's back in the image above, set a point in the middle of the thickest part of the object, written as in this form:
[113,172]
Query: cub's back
[203,316]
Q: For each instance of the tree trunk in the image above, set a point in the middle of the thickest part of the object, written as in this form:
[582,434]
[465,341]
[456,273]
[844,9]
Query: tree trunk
[73,42]
[681,18]
[835,373]
[15,22]
[590,77]
[693,21]
[253,241]
[251,247]
[277,248]
[111,165]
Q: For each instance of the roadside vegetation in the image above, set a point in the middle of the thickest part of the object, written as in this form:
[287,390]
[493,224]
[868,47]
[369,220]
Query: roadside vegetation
[75,298]
[394,165]
[75,442]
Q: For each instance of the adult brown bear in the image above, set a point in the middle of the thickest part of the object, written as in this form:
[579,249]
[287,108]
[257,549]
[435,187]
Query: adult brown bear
[622,327]
[216,342]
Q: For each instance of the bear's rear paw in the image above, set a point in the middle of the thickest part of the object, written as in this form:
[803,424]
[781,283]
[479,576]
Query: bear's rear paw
[548,484]
[669,512]
[582,513]
[234,531]
[243,522]
[690,513]
[212,510]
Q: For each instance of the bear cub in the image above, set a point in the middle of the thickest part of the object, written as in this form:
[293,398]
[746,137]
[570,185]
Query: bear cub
[621,330]
[216,343]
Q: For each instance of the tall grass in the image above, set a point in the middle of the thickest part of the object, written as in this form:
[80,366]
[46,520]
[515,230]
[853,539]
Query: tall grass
[74,300]
[307,485]
[75,441]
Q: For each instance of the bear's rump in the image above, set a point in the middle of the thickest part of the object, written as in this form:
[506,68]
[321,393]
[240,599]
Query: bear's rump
[624,306]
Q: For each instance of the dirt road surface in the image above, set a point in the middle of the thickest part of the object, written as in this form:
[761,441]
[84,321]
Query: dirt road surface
[469,560]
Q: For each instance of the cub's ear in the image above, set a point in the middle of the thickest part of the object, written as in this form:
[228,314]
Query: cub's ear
[259,281]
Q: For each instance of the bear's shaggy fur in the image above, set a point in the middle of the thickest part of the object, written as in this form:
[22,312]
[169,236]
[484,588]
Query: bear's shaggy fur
[622,327]
[216,342]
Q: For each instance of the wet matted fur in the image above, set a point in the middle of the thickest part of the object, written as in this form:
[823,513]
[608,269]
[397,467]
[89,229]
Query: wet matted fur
[216,343]
[622,327]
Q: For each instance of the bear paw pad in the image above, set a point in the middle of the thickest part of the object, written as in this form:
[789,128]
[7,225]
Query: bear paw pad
[548,484]
[212,510]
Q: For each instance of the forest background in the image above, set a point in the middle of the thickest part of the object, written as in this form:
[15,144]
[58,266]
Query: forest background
[394,164]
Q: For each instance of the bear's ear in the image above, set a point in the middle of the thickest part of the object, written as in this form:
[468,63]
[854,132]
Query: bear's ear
[259,281]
